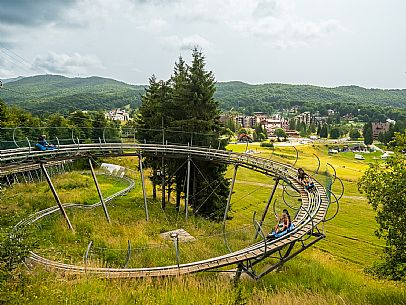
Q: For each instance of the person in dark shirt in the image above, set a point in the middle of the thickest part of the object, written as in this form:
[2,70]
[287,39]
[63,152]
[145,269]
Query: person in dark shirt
[305,179]
[42,144]
[283,226]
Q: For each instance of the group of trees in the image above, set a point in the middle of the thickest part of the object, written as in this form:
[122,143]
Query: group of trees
[260,133]
[330,131]
[183,110]
[386,192]
[85,126]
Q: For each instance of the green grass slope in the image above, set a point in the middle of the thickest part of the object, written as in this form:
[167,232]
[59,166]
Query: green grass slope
[331,272]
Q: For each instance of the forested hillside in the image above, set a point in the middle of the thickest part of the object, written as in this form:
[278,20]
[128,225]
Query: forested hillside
[55,93]
[248,98]
[52,93]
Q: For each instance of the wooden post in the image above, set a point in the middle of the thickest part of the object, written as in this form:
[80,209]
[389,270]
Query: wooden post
[99,192]
[144,193]
[163,183]
[187,187]
[228,206]
[58,201]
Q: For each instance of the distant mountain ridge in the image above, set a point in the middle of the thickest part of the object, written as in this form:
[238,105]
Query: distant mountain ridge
[56,93]
[10,80]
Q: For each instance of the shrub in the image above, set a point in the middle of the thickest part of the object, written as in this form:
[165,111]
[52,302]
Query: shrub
[266,144]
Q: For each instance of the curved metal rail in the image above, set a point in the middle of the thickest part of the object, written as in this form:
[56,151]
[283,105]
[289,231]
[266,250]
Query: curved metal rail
[311,213]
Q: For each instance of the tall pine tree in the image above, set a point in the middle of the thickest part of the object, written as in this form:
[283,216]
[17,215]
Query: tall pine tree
[185,110]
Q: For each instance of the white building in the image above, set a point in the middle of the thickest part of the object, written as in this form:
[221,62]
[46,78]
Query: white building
[118,115]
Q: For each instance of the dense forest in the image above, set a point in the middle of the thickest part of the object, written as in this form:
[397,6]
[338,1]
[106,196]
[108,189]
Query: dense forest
[50,93]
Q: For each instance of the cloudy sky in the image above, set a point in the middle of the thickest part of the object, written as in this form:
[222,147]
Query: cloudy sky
[320,42]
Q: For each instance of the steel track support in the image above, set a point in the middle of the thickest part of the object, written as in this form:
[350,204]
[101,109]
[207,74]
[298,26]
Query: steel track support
[163,186]
[247,269]
[30,178]
[86,256]
[57,199]
[289,256]
[228,205]
[267,206]
[25,179]
[144,192]
[127,260]
[187,187]
[238,273]
[106,212]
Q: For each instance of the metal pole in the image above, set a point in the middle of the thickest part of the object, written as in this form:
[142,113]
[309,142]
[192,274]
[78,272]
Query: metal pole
[229,194]
[99,192]
[267,205]
[228,205]
[128,254]
[30,178]
[175,237]
[144,193]
[163,183]
[87,251]
[58,201]
[187,187]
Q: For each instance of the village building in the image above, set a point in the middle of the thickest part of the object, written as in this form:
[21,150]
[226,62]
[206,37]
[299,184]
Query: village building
[378,128]
[118,115]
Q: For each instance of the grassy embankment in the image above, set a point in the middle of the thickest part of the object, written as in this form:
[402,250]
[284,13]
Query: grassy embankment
[330,273]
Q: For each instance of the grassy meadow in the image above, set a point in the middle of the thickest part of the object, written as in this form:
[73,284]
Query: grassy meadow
[331,272]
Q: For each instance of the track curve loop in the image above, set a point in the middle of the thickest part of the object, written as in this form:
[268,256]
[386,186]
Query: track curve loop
[312,211]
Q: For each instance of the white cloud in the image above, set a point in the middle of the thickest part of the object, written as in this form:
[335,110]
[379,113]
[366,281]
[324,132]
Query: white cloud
[65,63]
[153,25]
[186,43]
[274,21]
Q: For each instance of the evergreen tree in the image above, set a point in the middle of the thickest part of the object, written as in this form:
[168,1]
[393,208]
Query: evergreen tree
[334,133]
[152,121]
[354,134]
[324,131]
[204,118]
[313,128]
[185,110]
[318,128]
[292,124]
[367,133]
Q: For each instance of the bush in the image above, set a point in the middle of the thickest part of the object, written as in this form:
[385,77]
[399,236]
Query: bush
[15,247]
[266,144]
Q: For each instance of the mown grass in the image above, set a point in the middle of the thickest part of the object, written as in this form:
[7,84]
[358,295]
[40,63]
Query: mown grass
[329,273]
